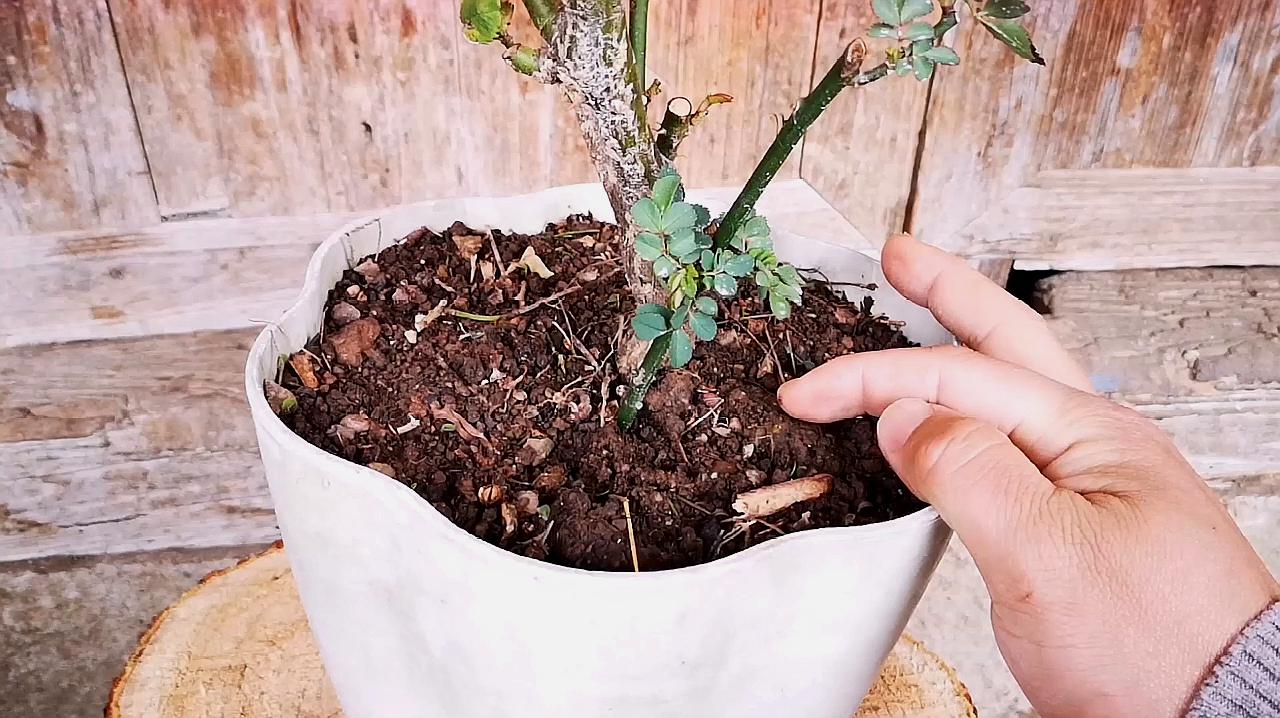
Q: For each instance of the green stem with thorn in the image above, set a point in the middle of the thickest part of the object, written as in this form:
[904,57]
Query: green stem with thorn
[844,73]
[639,40]
[643,379]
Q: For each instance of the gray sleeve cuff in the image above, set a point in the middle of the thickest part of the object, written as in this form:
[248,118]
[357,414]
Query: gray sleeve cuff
[1245,683]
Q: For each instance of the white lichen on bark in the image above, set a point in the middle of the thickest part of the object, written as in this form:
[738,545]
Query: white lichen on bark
[589,52]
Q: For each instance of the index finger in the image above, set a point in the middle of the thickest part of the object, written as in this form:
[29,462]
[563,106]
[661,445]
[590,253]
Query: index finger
[981,314]
[1042,417]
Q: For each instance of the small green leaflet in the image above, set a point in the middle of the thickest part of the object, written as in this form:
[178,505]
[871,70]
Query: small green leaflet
[683,242]
[681,349]
[1013,35]
[942,55]
[707,305]
[919,31]
[788,274]
[725,285]
[704,216]
[703,326]
[647,215]
[740,265]
[649,246]
[664,190]
[882,30]
[780,307]
[649,326]
[680,215]
[663,267]
[484,20]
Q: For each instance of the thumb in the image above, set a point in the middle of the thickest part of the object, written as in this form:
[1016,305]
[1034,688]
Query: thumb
[979,482]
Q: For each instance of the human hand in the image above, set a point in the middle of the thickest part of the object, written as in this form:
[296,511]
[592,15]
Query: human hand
[1116,575]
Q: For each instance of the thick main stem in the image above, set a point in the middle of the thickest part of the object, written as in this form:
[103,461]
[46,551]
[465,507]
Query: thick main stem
[844,73]
[592,56]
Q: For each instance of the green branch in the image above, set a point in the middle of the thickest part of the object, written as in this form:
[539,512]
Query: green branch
[643,379]
[639,40]
[844,73]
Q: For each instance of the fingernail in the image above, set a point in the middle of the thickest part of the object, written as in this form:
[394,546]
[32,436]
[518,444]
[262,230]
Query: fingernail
[899,421]
[782,394]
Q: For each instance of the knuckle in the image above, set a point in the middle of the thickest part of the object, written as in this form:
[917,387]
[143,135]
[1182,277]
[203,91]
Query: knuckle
[957,446]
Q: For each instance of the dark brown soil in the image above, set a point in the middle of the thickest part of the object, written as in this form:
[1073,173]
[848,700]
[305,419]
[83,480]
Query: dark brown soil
[507,428]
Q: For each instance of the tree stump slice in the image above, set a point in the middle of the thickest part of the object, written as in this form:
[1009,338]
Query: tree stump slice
[238,645]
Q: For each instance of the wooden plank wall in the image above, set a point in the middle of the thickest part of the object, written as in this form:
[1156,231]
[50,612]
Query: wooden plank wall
[1151,139]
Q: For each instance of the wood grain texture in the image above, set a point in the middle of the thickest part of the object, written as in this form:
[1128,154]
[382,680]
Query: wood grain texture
[1141,84]
[239,642]
[111,447]
[81,617]
[860,155]
[70,155]
[203,275]
[253,107]
[759,51]
[1197,350]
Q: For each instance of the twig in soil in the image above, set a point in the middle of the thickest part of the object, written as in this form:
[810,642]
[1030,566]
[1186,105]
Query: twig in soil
[769,500]
[791,352]
[497,256]
[631,534]
[703,418]
[692,505]
[777,365]
[473,317]
[767,524]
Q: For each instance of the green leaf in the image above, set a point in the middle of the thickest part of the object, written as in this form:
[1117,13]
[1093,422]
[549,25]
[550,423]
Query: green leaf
[902,68]
[725,285]
[740,265]
[524,60]
[707,260]
[942,55]
[765,278]
[649,246]
[704,216]
[1006,9]
[754,228]
[649,326]
[647,215]
[704,327]
[889,11]
[882,30]
[690,282]
[919,31]
[786,291]
[703,240]
[707,306]
[789,275]
[663,267]
[760,244]
[780,307]
[923,67]
[484,20]
[912,9]
[683,242]
[681,349]
[664,190]
[652,308]
[680,316]
[680,215]
[1013,35]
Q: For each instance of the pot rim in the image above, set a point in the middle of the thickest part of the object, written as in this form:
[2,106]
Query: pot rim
[269,422]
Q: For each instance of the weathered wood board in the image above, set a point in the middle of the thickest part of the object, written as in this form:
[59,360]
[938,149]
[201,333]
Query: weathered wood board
[1152,138]
[271,107]
[70,155]
[222,274]
[69,624]
[1198,350]
[119,446]
[860,154]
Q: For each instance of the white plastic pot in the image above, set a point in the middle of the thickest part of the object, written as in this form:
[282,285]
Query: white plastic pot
[416,617]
